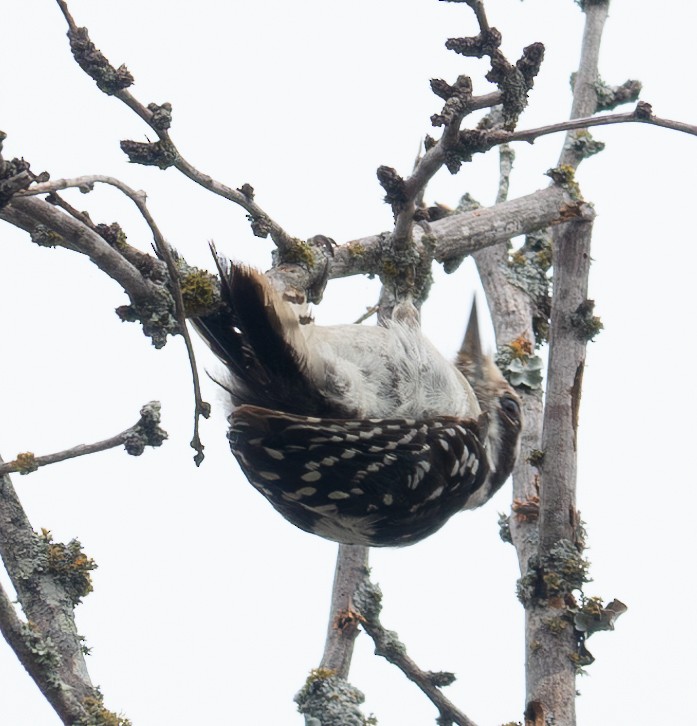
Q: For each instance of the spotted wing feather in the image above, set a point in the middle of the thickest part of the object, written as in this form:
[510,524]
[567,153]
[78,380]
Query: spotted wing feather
[374,482]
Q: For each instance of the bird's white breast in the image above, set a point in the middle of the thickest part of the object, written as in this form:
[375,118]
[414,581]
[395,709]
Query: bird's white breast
[391,371]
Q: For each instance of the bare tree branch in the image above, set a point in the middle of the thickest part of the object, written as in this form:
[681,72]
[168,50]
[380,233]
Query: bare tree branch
[201,408]
[50,579]
[452,238]
[146,432]
[458,235]
[38,658]
[642,114]
[368,600]
[31,214]
[403,195]
[478,8]
[164,153]
[85,183]
[351,568]
[479,232]
[513,308]
[456,146]
[369,312]
[559,568]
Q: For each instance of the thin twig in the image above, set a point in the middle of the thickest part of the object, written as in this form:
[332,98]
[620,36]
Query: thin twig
[201,408]
[455,146]
[26,462]
[57,201]
[243,198]
[282,239]
[146,432]
[637,116]
[478,8]
[367,314]
[84,183]
[433,159]
[368,601]
[427,165]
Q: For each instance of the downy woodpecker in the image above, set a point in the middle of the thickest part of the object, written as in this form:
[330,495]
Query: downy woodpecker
[365,435]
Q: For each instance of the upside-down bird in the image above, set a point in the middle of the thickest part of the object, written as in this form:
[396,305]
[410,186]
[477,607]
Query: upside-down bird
[365,435]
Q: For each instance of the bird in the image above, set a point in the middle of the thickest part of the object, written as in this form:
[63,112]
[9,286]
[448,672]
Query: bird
[364,435]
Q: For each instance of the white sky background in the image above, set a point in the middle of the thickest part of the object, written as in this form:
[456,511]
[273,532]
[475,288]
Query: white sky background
[208,607]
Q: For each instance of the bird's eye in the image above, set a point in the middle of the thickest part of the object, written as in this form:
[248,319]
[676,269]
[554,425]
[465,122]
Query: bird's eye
[510,406]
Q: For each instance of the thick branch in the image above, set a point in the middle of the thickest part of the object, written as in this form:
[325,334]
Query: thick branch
[28,214]
[551,668]
[351,568]
[550,658]
[152,302]
[512,308]
[567,352]
[585,99]
[59,667]
[458,235]
[35,654]
[454,236]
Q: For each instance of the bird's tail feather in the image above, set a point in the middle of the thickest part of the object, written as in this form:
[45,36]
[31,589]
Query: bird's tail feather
[257,336]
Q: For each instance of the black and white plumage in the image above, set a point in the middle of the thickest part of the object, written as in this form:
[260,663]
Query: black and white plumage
[363,435]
